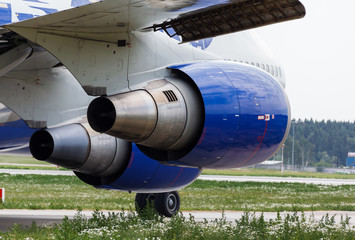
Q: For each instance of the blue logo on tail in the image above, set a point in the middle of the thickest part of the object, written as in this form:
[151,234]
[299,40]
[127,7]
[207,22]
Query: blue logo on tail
[5,13]
[77,3]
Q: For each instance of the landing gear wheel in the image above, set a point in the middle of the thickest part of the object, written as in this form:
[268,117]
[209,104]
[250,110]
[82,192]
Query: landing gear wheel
[143,199]
[167,204]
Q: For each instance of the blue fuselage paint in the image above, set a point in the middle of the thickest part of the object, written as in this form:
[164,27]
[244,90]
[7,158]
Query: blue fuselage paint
[146,175]
[14,134]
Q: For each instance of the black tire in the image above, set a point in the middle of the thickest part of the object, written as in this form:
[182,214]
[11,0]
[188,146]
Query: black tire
[142,200]
[167,204]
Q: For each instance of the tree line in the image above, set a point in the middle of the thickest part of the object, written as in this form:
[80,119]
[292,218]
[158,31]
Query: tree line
[319,143]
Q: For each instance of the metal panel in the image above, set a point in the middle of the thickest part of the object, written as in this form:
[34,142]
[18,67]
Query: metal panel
[247,115]
[44,98]
[232,17]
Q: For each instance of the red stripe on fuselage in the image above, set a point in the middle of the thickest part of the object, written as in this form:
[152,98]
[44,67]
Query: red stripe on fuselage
[131,160]
[202,137]
[176,177]
[261,141]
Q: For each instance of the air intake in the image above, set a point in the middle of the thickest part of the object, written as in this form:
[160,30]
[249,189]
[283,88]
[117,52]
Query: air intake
[170,95]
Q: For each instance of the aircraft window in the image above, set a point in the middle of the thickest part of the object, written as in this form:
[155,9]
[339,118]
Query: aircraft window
[247,62]
[280,72]
[267,68]
[258,65]
[241,61]
[263,66]
[272,70]
[252,64]
[276,71]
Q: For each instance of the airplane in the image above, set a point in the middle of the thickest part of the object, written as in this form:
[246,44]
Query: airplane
[142,95]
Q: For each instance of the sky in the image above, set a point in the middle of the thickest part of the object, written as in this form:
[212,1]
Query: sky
[318,57]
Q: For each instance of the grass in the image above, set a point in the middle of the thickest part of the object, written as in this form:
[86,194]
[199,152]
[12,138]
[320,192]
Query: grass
[33,168]
[68,192]
[152,226]
[30,164]
[276,173]
[253,196]
[21,160]
[25,163]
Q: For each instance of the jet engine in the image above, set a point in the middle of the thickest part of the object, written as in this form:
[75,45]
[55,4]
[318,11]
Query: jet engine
[214,114]
[204,115]
[107,162]
[84,151]
[164,115]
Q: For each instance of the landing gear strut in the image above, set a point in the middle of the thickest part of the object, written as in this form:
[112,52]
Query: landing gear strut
[166,204]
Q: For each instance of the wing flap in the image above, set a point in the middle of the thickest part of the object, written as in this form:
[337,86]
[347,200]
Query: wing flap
[233,17]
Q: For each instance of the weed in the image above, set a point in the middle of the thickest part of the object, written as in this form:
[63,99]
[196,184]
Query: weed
[68,192]
[131,226]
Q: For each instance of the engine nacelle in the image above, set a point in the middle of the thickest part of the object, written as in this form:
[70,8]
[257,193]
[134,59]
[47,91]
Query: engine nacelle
[214,114]
[160,116]
[107,162]
[247,114]
[78,148]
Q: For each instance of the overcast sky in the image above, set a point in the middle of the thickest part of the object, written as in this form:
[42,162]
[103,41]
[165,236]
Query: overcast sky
[318,56]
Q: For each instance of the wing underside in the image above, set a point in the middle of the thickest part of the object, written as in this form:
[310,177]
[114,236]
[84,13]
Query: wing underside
[109,46]
[103,21]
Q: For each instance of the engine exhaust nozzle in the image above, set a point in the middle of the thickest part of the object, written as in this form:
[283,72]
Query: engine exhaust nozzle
[131,116]
[79,148]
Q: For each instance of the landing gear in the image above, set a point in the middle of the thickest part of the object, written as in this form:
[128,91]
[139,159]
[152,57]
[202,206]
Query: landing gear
[143,200]
[166,204]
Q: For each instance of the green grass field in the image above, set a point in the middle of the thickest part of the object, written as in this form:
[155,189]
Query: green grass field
[67,192]
[31,163]
[25,162]
[21,160]
[276,173]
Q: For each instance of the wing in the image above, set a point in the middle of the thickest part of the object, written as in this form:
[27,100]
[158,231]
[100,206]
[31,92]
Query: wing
[89,39]
[110,46]
[192,20]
